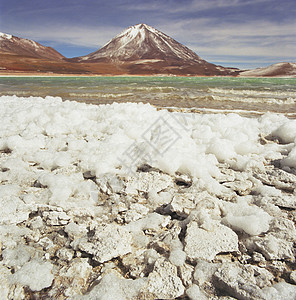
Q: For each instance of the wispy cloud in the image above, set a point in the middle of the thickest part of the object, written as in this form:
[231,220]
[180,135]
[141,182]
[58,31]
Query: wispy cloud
[72,35]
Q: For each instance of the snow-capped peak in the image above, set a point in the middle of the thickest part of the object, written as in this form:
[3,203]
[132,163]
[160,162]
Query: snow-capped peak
[5,36]
[142,42]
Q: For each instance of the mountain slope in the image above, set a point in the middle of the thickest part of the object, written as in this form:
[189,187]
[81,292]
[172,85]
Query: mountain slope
[24,47]
[279,69]
[142,49]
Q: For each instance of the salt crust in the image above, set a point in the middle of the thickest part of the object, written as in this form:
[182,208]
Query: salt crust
[80,207]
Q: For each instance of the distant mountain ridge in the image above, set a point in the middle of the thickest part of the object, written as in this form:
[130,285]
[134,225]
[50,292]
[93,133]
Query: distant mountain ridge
[24,47]
[279,69]
[138,50]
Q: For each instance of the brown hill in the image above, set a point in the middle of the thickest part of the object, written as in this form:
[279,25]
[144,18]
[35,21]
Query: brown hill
[24,47]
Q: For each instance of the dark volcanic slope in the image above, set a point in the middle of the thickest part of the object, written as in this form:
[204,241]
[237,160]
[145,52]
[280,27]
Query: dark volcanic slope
[24,47]
[143,49]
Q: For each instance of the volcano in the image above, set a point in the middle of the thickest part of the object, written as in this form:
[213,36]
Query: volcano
[142,49]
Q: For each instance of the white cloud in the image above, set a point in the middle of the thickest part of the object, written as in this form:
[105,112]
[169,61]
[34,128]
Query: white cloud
[77,36]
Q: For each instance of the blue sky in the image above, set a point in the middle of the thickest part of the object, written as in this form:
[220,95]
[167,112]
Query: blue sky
[235,33]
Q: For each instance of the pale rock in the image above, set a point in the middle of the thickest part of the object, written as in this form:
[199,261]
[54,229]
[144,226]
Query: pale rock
[200,243]
[258,257]
[109,241]
[11,235]
[293,276]
[204,271]
[262,276]
[146,182]
[286,201]
[5,284]
[46,243]
[164,282]
[18,256]
[65,254]
[275,248]
[75,231]
[278,178]
[140,262]
[283,228]
[114,286]
[182,204]
[194,293]
[35,274]
[36,223]
[53,218]
[186,274]
[237,280]
[279,291]
[16,292]
[177,257]
[110,183]
[152,222]
[74,277]
[241,187]
[135,212]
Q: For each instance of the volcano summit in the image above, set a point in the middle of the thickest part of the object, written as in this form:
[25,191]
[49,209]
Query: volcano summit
[143,49]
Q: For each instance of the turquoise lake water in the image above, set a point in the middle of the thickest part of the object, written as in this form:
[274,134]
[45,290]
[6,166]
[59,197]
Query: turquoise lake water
[219,93]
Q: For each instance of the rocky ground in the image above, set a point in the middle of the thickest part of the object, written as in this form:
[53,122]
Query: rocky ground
[178,241]
[70,232]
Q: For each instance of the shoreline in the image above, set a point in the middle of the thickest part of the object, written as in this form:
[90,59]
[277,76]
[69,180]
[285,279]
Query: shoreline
[44,74]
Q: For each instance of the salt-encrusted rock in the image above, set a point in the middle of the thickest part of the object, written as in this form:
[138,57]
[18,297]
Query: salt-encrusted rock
[278,178]
[153,222]
[135,212]
[13,209]
[109,241]
[35,274]
[263,277]
[283,228]
[163,282]
[75,231]
[110,183]
[186,272]
[275,248]
[293,276]
[177,257]
[182,204]
[5,285]
[73,278]
[18,256]
[147,182]
[194,293]
[285,201]
[65,254]
[53,218]
[241,187]
[237,280]
[200,243]
[140,262]
[114,286]
[204,271]
[279,291]
[36,223]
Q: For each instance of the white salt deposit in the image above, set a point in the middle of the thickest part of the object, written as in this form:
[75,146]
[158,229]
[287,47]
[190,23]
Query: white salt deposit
[35,274]
[153,188]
